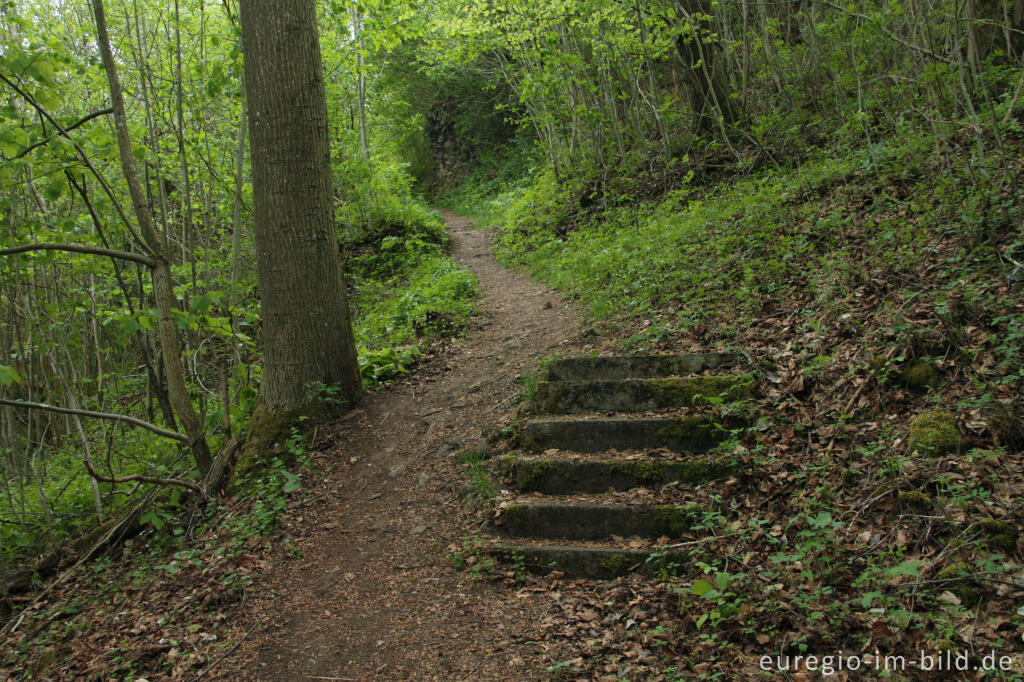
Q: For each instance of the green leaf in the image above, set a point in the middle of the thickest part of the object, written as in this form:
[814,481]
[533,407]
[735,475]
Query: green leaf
[8,376]
[911,567]
[55,189]
[200,304]
[291,482]
[722,581]
[152,518]
[129,327]
[701,587]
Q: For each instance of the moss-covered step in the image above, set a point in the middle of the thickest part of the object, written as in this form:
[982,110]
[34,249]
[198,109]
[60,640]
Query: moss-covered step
[633,366]
[637,395]
[554,476]
[689,433]
[593,521]
[597,563]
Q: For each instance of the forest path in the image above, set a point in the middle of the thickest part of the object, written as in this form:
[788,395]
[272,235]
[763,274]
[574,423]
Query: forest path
[373,596]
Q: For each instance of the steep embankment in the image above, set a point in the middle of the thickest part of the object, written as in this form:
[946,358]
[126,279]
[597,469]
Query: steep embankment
[879,297]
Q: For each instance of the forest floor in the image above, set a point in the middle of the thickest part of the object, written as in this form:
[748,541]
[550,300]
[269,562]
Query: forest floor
[373,595]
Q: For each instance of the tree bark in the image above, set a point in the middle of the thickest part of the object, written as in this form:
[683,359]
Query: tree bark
[307,330]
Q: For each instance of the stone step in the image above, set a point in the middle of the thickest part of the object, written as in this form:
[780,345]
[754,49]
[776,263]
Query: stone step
[556,476]
[634,367]
[597,563]
[687,433]
[637,395]
[593,521]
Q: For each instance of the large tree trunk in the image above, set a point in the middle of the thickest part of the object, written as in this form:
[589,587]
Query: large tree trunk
[307,331]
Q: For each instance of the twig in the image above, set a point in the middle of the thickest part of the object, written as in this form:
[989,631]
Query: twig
[224,655]
[310,500]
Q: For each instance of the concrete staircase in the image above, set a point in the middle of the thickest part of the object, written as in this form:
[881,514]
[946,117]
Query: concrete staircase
[591,439]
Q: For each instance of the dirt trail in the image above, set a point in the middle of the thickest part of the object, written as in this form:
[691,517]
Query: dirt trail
[372,596]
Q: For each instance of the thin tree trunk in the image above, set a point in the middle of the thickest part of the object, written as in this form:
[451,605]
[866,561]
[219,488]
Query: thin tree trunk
[161,270]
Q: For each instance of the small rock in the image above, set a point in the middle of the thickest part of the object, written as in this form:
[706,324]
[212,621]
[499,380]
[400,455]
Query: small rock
[418,530]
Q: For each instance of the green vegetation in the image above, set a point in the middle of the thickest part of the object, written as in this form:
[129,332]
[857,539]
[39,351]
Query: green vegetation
[91,342]
[831,191]
[934,433]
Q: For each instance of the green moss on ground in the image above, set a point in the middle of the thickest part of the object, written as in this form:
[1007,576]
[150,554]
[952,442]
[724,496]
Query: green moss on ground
[960,582]
[999,535]
[919,375]
[916,500]
[934,433]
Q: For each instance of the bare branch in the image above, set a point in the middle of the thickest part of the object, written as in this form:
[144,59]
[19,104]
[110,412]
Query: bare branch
[144,479]
[79,248]
[174,435]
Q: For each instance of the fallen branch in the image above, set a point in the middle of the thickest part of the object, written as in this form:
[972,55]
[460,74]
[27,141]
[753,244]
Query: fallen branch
[144,479]
[100,415]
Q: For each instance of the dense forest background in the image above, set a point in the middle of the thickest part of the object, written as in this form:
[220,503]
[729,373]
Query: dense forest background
[687,168]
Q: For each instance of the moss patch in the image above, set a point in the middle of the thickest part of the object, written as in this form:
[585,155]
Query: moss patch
[960,582]
[673,519]
[999,535]
[616,564]
[691,431]
[934,433]
[682,391]
[913,499]
[919,375]
[548,396]
[530,473]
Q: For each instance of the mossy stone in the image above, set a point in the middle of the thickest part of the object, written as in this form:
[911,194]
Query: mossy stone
[913,499]
[529,473]
[616,564]
[672,518]
[681,391]
[961,583]
[999,535]
[689,428]
[507,463]
[934,433]
[919,375]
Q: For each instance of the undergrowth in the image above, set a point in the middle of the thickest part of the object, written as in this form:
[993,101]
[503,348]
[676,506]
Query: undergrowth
[869,287]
